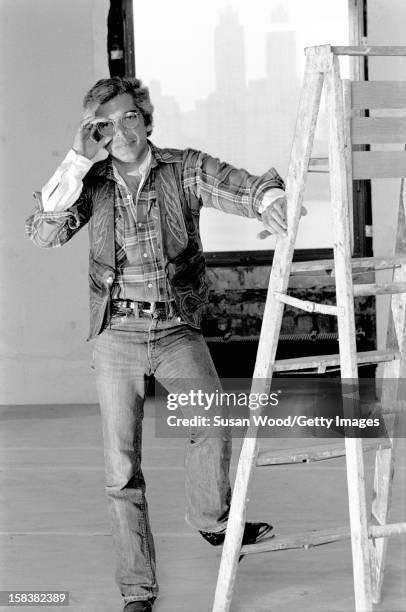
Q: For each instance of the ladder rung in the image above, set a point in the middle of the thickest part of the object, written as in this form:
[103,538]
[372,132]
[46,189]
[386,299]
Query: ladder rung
[369,50]
[307,305]
[378,164]
[298,540]
[318,164]
[384,531]
[308,454]
[317,538]
[357,262]
[318,161]
[379,289]
[317,361]
[368,130]
[377,94]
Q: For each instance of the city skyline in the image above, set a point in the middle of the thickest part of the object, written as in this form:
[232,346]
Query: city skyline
[239,119]
[248,123]
[178,50]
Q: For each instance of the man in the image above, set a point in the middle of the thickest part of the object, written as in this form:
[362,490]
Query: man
[147,288]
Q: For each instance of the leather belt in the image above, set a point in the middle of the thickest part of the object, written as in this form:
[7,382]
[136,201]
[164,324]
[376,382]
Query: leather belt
[153,309]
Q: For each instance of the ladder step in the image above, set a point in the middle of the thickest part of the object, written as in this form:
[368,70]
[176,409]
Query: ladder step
[318,164]
[321,362]
[384,531]
[307,305]
[319,537]
[375,289]
[318,161]
[369,50]
[298,540]
[307,454]
[357,262]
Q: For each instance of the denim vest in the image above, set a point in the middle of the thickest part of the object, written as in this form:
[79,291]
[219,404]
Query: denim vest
[179,227]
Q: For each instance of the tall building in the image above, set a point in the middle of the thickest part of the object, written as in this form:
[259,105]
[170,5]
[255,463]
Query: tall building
[272,101]
[226,106]
[229,50]
[168,123]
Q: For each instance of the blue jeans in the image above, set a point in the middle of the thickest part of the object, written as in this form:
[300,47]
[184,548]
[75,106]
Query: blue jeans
[173,352]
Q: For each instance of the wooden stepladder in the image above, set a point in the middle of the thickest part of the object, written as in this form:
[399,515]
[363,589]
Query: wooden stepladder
[346,125]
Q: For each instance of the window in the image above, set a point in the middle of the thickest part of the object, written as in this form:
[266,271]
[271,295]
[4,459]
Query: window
[225,77]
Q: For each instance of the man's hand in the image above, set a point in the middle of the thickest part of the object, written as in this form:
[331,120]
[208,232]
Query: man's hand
[274,218]
[87,140]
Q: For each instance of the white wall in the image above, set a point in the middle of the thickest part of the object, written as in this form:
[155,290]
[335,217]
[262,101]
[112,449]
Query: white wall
[386,26]
[51,52]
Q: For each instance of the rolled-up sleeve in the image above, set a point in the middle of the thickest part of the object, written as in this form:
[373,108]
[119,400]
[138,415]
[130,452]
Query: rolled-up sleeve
[219,185]
[48,229]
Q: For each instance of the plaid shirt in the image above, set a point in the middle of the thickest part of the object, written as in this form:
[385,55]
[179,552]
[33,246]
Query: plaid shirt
[140,271]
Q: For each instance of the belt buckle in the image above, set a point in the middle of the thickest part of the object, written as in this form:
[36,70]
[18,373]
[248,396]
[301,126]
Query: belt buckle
[151,309]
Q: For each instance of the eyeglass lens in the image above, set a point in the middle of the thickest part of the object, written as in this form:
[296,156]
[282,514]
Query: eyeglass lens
[128,122]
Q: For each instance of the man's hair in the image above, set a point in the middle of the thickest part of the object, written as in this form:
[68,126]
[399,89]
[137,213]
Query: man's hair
[107,89]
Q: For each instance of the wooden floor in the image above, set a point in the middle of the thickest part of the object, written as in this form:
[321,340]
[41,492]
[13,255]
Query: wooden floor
[54,532]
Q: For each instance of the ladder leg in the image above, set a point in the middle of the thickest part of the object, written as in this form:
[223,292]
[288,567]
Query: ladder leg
[346,329]
[381,501]
[359,525]
[384,461]
[301,148]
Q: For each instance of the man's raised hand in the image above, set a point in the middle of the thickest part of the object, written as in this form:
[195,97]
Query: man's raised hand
[87,140]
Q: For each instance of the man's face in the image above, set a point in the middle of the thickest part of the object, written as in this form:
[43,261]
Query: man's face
[126,145]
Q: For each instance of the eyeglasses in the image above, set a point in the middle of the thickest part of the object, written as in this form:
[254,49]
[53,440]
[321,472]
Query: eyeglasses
[128,122]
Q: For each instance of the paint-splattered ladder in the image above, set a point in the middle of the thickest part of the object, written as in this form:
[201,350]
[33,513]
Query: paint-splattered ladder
[344,101]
